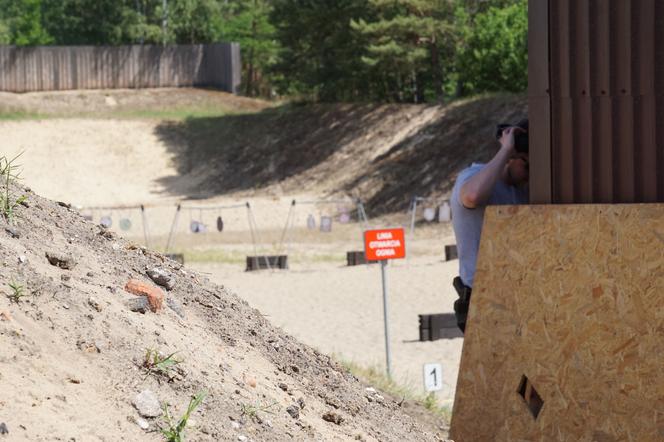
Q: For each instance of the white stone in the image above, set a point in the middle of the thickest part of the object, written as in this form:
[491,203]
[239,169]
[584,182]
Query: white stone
[147,404]
[145,425]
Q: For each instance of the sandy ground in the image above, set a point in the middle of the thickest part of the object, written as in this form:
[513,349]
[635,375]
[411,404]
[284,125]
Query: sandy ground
[339,310]
[334,308]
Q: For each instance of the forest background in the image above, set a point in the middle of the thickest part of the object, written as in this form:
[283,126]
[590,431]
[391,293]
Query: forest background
[407,51]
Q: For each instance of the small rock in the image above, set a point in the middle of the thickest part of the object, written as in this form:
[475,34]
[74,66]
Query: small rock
[251,382]
[3,428]
[22,259]
[63,204]
[94,304]
[162,277]
[65,306]
[154,294]
[88,347]
[268,423]
[13,232]
[147,404]
[5,316]
[115,246]
[174,305]
[235,425]
[90,275]
[370,390]
[294,411]
[66,262]
[283,386]
[138,305]
[242,438]
[333,417]
[380,399]
[145,425]
[64,277]
[300,402]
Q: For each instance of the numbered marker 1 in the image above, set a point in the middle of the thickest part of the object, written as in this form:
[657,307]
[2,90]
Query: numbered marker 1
[433,377]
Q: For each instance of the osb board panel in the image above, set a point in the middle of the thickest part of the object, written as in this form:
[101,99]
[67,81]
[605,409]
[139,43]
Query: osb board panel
[573,298]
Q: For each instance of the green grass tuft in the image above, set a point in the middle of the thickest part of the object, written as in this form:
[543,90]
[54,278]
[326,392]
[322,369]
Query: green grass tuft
[175,430]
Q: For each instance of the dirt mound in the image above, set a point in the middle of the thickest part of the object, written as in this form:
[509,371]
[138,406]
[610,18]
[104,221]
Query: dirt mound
[73,351]
[385,154]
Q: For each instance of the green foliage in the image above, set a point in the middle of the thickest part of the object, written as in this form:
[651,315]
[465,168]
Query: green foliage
[321,55]
[406,42]
[494,54]
[252,411]
[8,174]
[247,22]
[18,291]
[155,363]
[21,23]
[175,430]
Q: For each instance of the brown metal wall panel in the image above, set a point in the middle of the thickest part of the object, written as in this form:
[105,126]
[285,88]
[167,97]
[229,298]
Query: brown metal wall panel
[645,148]
[623,153]
[659,141]
[606,77]
[603,146]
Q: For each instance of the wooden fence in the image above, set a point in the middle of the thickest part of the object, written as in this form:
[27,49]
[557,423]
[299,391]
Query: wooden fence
[53,68]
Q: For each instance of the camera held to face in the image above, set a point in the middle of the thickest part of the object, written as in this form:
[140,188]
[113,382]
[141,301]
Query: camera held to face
[520,137]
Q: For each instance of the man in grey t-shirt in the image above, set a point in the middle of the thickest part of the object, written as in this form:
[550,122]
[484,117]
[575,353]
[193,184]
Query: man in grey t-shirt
[503,180]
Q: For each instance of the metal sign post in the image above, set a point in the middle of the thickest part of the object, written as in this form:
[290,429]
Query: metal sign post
[383,245]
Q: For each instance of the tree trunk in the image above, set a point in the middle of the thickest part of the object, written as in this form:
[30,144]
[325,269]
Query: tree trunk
[436,71]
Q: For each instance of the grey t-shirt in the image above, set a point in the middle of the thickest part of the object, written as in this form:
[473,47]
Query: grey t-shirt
[467,223]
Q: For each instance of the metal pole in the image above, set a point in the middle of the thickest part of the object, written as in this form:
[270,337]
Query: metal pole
[412,218]
[146,232]
[174,226]
[383,264]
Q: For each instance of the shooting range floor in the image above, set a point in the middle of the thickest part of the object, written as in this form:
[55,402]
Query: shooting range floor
[338,310]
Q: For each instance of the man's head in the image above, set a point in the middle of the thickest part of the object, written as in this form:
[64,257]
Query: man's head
[518,166]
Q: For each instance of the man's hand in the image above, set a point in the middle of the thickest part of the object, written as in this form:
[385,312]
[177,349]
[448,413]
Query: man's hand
[477,190]
[507,138]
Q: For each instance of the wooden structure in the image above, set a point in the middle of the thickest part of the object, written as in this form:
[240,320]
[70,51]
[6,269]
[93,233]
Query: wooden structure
[566,326]
[438,326]
[596,101]
[451,252]
[263,262]
[356,258]
[55,68]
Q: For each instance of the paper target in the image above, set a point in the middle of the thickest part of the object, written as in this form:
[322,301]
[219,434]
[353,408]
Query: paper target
[106,221]
[125,224]
[325,224]
[429,214]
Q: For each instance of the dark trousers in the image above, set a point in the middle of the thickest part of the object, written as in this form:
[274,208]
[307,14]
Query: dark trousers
[461,305]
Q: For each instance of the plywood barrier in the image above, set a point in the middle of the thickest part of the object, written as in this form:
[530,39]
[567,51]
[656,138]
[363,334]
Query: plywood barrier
[565,333]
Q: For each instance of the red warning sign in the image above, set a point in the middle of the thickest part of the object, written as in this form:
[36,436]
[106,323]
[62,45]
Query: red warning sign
[384,244]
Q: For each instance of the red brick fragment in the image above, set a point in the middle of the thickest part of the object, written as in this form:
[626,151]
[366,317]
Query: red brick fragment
[154,294]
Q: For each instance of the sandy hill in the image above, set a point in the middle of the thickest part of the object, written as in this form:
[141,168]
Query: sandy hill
[73,349]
